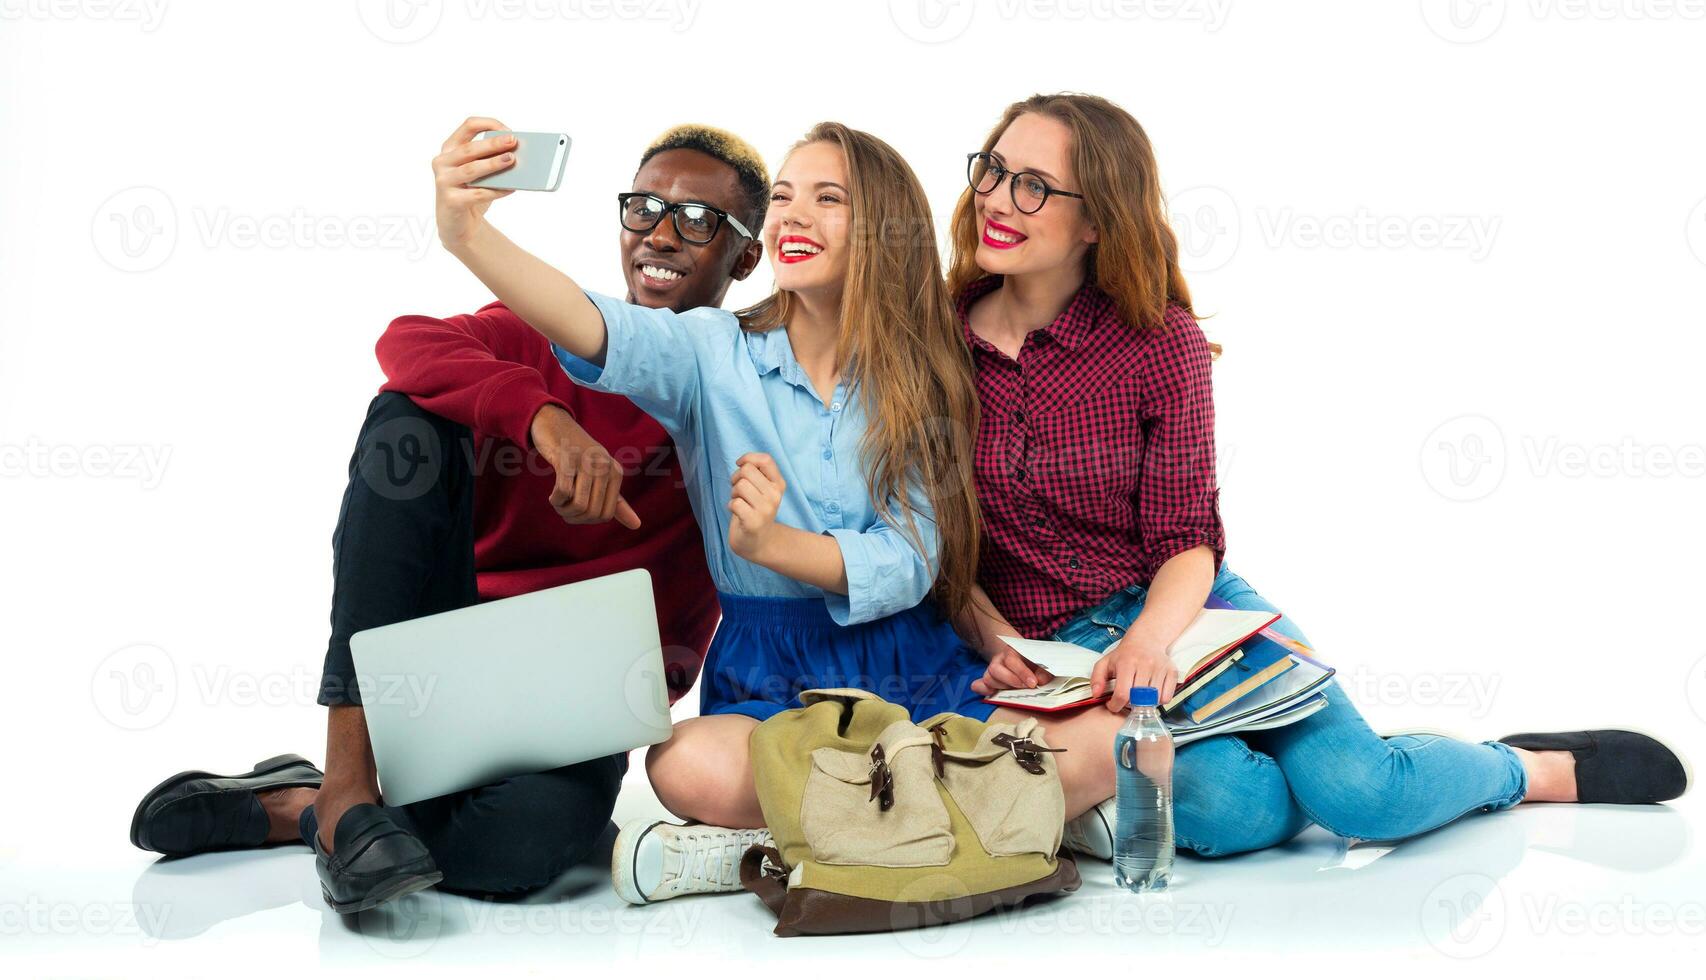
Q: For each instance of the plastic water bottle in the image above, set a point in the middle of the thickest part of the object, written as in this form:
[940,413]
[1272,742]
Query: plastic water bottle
[1143,808]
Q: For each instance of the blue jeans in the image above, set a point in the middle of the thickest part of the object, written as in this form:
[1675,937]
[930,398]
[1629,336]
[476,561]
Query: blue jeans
[1243,792]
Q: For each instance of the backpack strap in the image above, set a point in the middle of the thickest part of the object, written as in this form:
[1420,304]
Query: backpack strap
[770,884]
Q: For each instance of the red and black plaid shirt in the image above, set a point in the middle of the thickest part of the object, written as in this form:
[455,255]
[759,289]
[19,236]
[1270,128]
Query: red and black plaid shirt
[1095,457]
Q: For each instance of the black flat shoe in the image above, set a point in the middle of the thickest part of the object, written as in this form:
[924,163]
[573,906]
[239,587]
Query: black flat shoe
[1615,765]
[373,861]
[195,811]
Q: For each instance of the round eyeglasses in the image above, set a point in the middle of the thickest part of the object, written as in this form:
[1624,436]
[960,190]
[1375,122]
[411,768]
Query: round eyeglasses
[1029,191]
[696,223]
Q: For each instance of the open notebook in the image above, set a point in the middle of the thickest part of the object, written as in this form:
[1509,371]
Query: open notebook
[1206,649]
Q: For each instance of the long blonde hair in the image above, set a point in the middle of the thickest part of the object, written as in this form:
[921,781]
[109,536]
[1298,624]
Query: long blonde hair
[902,345]
[1135,259]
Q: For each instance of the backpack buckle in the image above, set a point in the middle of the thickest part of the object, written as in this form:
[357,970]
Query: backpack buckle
[882,779]
[1026,753]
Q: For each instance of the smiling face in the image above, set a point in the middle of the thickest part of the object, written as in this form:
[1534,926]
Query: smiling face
[662,270]
[1011,242]
[808,226]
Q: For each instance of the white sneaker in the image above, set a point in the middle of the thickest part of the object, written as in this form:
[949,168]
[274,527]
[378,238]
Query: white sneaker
[654,859]
[1092,832]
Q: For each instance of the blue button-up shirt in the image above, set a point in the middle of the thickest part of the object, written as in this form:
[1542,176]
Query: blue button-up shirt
[722,392]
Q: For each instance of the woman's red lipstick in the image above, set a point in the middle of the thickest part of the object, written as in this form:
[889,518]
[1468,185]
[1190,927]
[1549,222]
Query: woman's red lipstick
[999,228]
[804,248]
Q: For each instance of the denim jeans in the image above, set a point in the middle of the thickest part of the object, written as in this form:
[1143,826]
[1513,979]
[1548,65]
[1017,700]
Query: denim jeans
[1246,791]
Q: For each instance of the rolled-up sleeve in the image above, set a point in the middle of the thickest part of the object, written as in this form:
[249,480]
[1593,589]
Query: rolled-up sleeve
[886,572]
[657,358]
[1178,501]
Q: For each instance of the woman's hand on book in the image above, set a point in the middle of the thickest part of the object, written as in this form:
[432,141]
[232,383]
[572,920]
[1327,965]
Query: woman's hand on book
[1008,670]
[1135,661]
[461,209]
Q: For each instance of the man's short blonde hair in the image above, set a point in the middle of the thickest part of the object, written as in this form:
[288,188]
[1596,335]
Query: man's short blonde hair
[725,146]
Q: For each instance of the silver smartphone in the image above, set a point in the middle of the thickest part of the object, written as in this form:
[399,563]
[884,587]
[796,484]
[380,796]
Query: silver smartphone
[539,160]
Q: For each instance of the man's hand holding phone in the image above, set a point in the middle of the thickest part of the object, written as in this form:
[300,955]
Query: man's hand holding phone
[461,209]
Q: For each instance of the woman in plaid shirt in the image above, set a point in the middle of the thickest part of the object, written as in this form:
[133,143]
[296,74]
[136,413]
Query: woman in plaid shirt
[1095,471]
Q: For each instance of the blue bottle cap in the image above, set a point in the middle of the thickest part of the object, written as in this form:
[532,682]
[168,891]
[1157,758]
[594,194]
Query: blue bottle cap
[1145,697]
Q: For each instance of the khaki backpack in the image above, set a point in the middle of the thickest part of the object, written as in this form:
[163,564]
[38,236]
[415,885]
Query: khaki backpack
[883,824]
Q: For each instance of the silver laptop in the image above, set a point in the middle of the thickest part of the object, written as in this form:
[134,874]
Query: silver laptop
[519,685]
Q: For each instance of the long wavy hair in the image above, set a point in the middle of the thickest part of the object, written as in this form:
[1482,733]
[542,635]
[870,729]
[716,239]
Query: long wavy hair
[901,344]
[1135,259]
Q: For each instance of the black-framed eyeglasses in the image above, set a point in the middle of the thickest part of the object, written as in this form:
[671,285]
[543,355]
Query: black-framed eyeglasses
[1029,191]
[696,223]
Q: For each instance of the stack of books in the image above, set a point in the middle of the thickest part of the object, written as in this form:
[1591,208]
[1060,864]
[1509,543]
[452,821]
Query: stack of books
[1235,674]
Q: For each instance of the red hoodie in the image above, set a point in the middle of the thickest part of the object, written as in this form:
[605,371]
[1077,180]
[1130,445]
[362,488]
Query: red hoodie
[492,372]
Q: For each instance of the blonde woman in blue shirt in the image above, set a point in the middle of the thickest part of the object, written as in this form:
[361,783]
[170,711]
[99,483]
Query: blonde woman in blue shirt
[825,435]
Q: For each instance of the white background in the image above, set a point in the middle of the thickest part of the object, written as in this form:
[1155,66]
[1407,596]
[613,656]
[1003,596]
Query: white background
[1455,254]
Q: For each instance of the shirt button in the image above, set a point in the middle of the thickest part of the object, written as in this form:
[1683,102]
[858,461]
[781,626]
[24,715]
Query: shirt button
[827,454]
[1019,474]
[1072,562]
[835,407]
[1019,417]
[1037,521]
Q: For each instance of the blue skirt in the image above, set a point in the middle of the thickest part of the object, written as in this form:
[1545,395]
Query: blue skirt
[768,650]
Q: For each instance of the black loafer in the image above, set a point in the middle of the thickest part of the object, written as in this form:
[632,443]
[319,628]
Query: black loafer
[373,861]
[1615,765]
[196,811]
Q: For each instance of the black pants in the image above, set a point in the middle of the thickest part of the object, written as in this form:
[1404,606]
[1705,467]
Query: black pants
[404,548]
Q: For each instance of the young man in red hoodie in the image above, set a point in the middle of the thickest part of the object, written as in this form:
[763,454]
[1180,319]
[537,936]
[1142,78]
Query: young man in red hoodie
[482,472]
